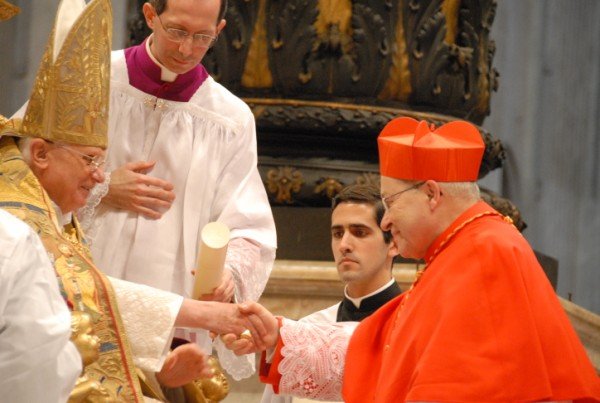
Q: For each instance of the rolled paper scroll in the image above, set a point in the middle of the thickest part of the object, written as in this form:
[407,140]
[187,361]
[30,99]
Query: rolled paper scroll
[214,239]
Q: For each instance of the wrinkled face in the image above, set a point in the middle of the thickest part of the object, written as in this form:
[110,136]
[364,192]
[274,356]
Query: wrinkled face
[360,252]
[69,176]
[406,217]
[192,16]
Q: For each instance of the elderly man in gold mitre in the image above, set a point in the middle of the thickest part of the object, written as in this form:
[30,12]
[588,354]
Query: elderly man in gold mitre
[49,162]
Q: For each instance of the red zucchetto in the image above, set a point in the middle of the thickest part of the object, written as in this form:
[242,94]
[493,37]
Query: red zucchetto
[413,151]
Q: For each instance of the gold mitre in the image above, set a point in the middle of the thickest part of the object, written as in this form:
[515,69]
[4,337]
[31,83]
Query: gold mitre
[69,101]
[7,10]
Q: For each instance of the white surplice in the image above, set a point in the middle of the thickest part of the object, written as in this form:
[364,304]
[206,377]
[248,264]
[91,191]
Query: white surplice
[207,149]
[38,363]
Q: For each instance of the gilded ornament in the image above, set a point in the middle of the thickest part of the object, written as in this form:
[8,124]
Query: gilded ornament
[257,73]
[88,345]
[282,182]
[215,388]
[329,186]
[450,9]
[398,86]
[7,10]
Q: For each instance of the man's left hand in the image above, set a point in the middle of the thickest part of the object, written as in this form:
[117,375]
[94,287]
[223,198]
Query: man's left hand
[224,292]
[183,365]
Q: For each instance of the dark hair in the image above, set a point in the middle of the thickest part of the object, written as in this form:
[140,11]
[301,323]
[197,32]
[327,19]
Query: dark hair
[161,5]
[363,194]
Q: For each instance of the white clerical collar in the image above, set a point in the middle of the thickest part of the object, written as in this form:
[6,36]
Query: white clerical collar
[63,219]
[165,73]
[357,301]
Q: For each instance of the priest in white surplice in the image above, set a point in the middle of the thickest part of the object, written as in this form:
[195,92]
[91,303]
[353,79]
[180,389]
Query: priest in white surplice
[363,254]
[182,153]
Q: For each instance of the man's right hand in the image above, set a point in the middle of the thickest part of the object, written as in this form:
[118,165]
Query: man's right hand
[132,190]
[263,327]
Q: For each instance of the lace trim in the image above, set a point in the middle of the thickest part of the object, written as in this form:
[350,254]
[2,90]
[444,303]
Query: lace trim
[249,271]
[313,358]
[87,212]
[239,368]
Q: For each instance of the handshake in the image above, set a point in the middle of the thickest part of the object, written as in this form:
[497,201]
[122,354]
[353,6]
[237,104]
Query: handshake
[244,328]
[260,330]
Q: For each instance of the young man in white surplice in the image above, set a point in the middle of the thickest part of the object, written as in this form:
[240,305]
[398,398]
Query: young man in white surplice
[363,255]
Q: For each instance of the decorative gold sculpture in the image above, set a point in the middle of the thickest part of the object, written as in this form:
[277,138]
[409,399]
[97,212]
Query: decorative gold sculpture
[216,387]
[88,345]
[329,186]
[208,390]
[282,182]
[7,10]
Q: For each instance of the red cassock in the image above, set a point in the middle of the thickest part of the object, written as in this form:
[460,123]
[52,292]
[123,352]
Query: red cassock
[482,324]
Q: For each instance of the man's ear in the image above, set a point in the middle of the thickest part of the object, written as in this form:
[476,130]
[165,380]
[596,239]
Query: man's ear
[393,249]
[149,15]
[434,193]
[38,151]
[220,26]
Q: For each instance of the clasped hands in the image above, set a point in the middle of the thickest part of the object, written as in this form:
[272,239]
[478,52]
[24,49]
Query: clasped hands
[261,330]
[188,362]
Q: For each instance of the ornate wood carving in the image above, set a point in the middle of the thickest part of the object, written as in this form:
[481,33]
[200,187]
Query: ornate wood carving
[433,55]
[297,128]
[282,182]
[328,187]
[324,76]
[452,72]
[233,46]
[317,180]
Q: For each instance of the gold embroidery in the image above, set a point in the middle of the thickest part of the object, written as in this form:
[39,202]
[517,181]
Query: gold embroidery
[85,287]
[69,101]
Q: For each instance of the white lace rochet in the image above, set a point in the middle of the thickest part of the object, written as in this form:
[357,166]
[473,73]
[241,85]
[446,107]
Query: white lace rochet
[313,358]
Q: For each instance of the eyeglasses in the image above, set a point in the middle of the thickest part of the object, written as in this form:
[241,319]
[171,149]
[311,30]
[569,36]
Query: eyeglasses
[388,200]
[179,36]
[94,163]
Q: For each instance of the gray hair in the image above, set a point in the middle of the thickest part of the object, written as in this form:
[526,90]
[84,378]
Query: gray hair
[461,190]
[24,147]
